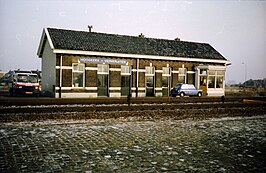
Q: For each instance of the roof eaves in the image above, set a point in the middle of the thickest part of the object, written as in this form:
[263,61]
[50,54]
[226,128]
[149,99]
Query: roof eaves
[45,36]
[139,56]
[41,45]
[49,38]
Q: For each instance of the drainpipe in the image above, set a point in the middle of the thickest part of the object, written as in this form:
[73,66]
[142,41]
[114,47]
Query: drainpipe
[137,80]
[60,76]
[197,77]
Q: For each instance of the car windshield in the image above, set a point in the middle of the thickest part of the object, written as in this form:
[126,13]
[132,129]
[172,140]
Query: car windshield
[33,78]
[178,85]
[27,78]
[22,78]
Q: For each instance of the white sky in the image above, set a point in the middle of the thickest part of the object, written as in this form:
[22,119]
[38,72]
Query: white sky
[237,29]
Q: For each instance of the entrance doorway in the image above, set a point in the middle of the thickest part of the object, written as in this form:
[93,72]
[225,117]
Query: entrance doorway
[166,81]
[103,80]
[149,81]
[203,84]
[103,85]
[150,86]
[166,85]
[125,85]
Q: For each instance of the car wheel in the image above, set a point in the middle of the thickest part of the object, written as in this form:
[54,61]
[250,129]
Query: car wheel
[182,94]
[199,94]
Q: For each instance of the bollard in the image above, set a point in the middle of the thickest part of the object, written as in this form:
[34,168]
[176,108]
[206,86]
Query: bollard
[128,99]
[222,99]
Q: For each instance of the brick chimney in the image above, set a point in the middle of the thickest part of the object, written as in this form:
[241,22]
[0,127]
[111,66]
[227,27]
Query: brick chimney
[90,28]
[177,39]
[141,35]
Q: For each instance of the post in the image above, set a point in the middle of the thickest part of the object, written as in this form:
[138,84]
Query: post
[245,68]
[223,99]
[128,99]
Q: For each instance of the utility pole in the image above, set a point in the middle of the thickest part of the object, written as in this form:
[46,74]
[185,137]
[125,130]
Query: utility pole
[245,68]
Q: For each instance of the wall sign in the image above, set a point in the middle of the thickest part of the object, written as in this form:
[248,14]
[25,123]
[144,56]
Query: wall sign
[102,60]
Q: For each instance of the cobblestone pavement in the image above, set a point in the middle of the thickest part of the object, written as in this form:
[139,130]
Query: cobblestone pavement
[135,145]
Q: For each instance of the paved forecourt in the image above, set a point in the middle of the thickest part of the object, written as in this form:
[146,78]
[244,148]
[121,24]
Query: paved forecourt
[134,145]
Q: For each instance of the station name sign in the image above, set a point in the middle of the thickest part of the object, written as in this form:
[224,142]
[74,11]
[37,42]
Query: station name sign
[102,60]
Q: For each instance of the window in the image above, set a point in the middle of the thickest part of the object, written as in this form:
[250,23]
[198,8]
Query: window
[33,78]
[125,70]
[78,67]
[211,81]
[22,78]
[182,75]
[166,71]
[219,81]
[203,71]
[150,71]
[215,79]
[78,75]
[103,69]
[221,73]
[212,72]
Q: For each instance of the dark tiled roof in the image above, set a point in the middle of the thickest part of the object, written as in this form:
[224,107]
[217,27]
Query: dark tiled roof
[101,42]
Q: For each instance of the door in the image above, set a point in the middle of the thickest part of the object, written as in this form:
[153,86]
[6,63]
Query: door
[150,86]
[103,85]
[125,85]
[203,84]
[166,85]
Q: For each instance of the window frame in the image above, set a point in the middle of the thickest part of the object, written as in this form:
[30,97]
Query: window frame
[149,71]
[103,69]
[166,71]
[216,74]
[125,70]
[79,70]
[182,72]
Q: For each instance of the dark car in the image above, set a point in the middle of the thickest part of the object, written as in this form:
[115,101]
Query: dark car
[185,89]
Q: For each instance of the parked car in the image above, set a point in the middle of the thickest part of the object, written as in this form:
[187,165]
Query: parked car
[22,83]
[186,89]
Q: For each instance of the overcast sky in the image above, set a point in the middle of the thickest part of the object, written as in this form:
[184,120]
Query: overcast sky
[237,29]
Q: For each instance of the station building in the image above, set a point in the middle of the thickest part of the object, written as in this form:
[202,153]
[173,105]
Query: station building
[83,64]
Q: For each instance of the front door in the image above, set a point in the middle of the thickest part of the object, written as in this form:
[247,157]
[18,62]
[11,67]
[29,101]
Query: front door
[103,85]
[150,86]
[166,85]
[125,85]
[203,84]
